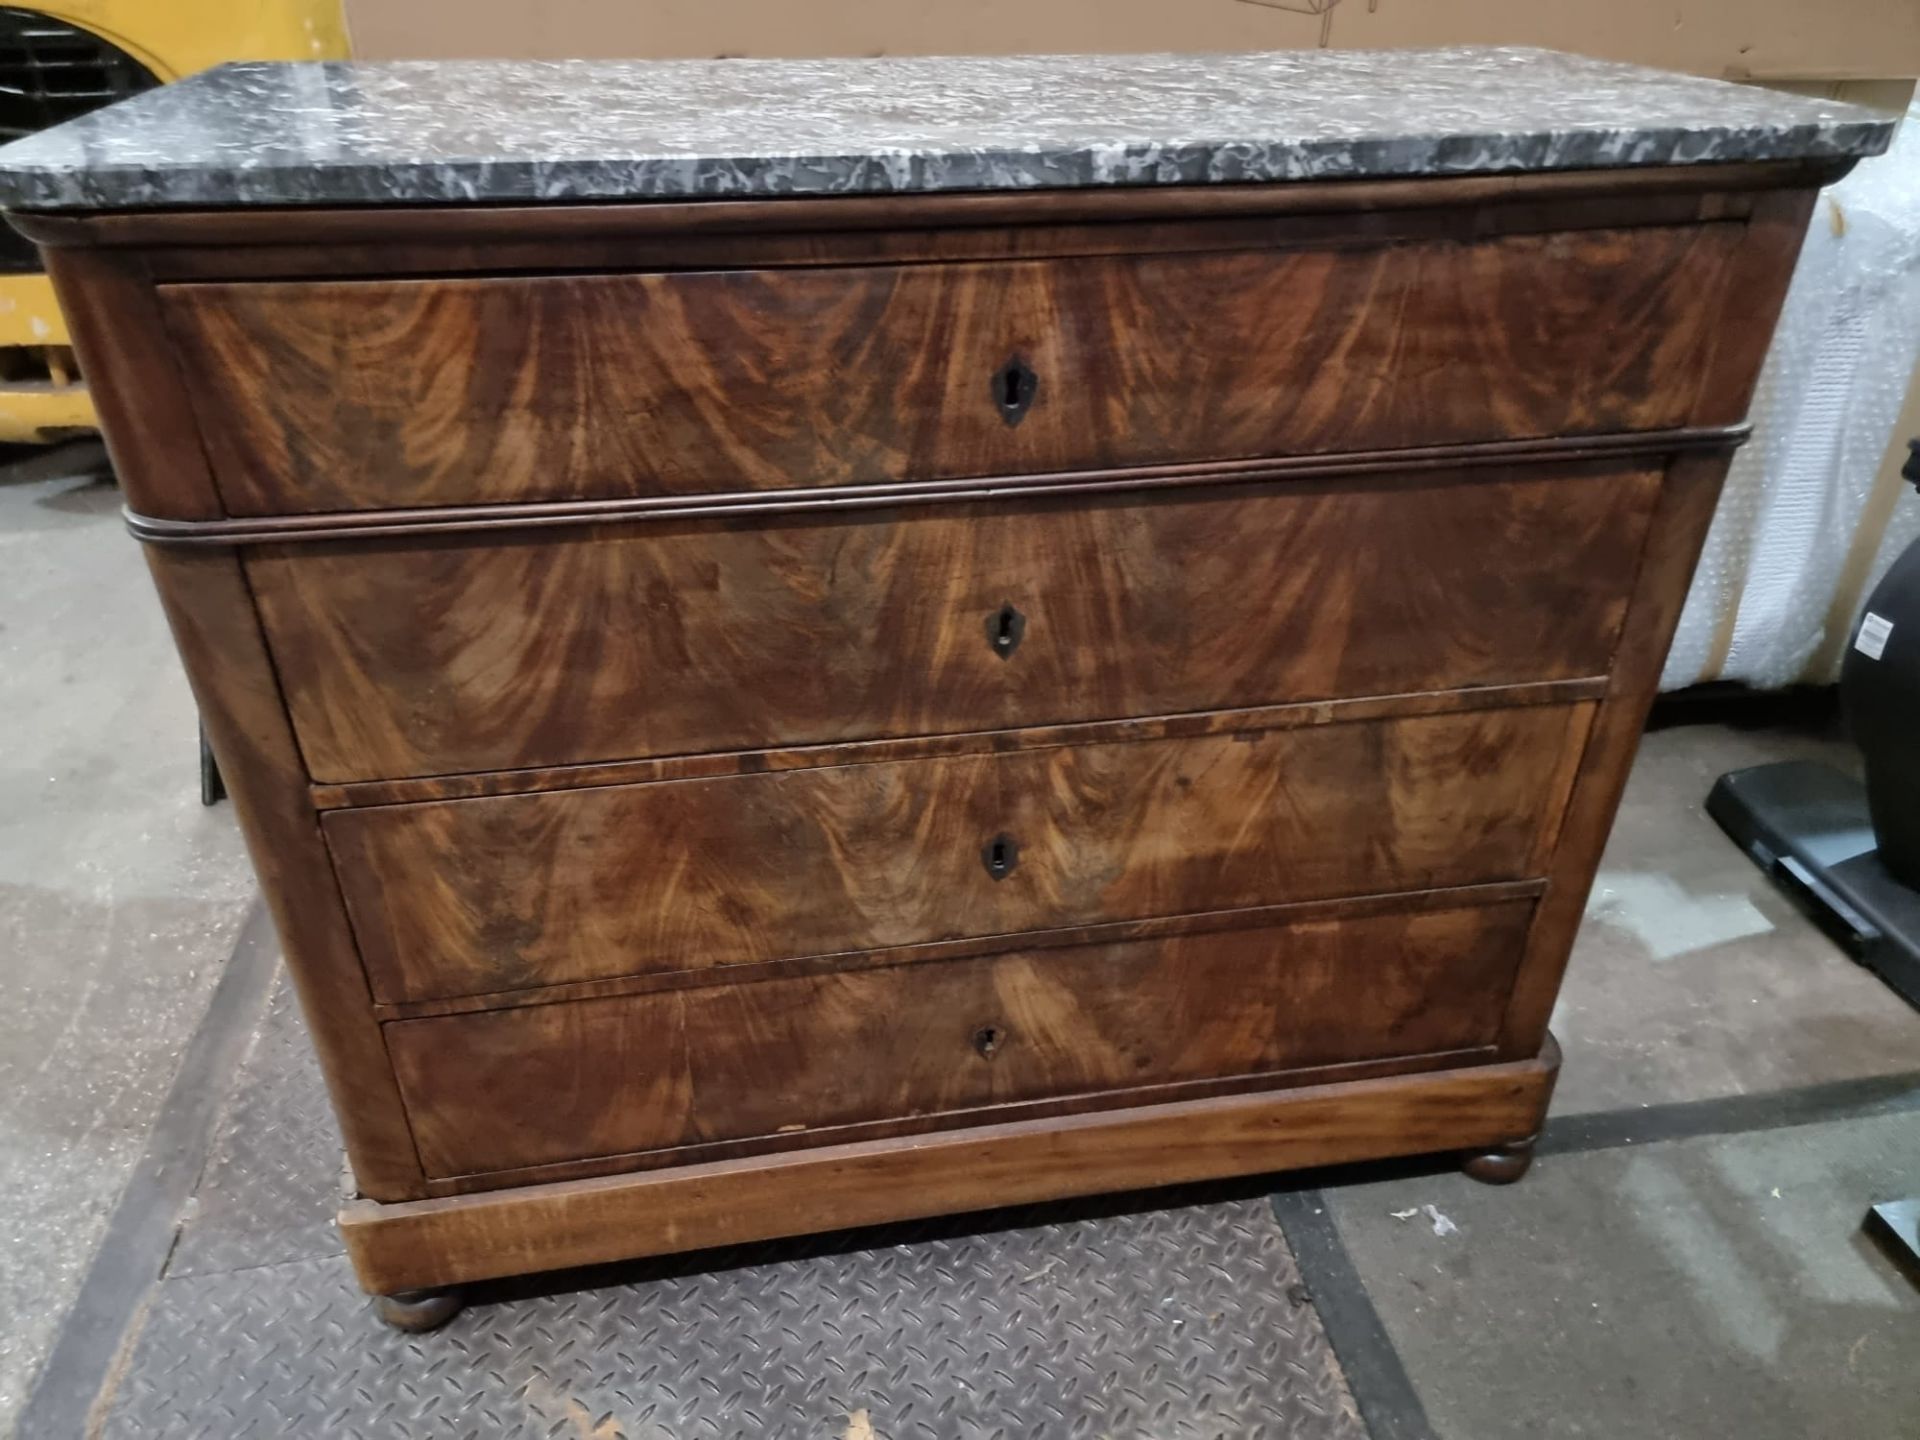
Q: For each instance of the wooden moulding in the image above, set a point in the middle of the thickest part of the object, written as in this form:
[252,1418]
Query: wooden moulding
[1298,714]
[338,225]
[426,1243]
[539,515]
[417,241]
[850,962]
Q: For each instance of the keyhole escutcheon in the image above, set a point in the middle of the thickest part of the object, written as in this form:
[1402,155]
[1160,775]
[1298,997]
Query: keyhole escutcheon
[1014,385]
[987,1040]
[1005,626]
[1000,855]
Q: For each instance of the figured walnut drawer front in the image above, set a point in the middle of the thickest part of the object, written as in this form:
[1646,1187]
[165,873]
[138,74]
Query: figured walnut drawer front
[552,1083]
[318,396]
[629,642]
[509,892]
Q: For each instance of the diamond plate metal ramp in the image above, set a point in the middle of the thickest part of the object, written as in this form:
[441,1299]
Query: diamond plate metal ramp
[1096,1321]
[272,1182]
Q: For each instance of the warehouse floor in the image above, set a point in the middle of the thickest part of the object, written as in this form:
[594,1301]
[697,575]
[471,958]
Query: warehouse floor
[1684,1260]
[120,897]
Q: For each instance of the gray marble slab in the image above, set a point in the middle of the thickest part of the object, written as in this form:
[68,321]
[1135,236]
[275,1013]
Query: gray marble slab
[459,131]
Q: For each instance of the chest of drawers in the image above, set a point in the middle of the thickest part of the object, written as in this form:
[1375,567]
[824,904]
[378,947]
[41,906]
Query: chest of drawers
[759,712]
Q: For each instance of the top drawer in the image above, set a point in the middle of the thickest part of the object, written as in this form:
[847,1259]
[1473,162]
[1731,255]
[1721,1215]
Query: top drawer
[374,394]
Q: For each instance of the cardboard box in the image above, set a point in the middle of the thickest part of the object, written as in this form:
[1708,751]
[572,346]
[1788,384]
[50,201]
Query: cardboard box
[1739,39]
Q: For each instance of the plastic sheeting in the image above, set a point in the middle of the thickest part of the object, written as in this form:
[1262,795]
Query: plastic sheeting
[1800,503]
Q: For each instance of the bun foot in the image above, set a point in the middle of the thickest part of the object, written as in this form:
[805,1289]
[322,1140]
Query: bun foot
[417,1311]
[1501,1165]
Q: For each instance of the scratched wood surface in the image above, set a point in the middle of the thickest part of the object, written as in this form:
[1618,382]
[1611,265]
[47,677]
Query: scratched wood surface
[527,890]
[456,656]
[551,1083]
[340,395]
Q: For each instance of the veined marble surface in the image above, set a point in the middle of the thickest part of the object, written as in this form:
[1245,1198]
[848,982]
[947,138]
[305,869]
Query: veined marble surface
[433,132]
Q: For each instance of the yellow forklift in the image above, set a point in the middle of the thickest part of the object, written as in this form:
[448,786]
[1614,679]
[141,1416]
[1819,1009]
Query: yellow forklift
[59,61]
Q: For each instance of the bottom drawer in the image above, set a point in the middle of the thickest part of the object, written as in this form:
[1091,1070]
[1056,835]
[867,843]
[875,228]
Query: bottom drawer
[776,1059]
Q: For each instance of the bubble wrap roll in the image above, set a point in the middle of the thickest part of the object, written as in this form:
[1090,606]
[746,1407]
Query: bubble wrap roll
[1824,413]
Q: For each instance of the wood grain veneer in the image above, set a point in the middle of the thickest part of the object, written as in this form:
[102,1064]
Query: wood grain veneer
[779,1059]
[572,885]
[620,643]
[365,394]
[590,606]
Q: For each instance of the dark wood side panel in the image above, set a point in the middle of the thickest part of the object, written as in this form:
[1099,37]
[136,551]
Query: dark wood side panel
[552,1083]
[348,395]
[620,642]
[113,314]
[1750,306]
[1688,497]
[207,605]
[1679,530]
[550,1227]
[520,891]
[109,303]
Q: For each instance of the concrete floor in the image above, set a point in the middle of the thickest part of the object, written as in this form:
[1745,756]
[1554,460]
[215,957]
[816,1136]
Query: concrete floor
[119,895]
[1709,1287]
[1714,1285]
[1706,1285]
[1693,977]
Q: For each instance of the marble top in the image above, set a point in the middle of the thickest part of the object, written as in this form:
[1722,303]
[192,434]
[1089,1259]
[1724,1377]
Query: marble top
[440,132]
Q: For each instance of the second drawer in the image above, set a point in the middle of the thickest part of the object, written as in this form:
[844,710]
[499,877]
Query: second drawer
[545,650]
[514,892]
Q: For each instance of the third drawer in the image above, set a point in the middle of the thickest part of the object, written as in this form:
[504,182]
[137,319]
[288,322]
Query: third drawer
[517,892]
